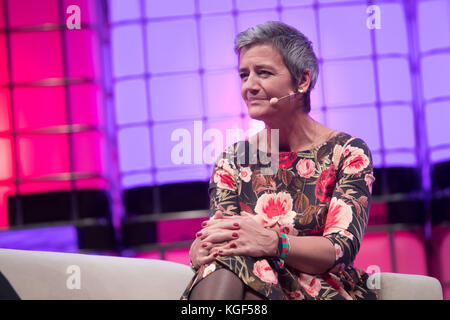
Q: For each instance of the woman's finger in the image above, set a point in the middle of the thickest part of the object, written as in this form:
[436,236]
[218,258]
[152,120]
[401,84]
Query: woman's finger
[219,235]
[207,257]
[229,249]
[222,218]
[220,224]
[218,215]
[234,248]
[211,245]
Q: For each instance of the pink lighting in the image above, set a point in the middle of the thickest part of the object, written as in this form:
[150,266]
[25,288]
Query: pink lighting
[83,54]
[30,103]
[3,59]
[374,251]
[43,155]
[410,253]
[178,230]
[36,56]
[87,104]
[55,75]
[407,248]
[25,13]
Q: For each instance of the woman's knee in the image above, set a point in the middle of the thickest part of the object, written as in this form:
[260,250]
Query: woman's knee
[221,284]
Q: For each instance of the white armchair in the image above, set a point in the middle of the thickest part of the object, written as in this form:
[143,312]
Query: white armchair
[60,276]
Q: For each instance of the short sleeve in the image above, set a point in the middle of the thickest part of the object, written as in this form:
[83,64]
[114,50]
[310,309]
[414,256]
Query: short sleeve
[348,212]
[225,185]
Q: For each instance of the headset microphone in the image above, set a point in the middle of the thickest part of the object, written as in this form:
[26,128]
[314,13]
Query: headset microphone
[274,100]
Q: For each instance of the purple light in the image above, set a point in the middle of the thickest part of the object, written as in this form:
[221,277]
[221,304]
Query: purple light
[436,75]
[222,94]
[392,37]
[398,127]
[130,102]
[127,49]
[249,19]
[124,10]
[359,122]
[134,148]
[344,32]
[243,5]
[433,19]
[217,56]
[395,79]
[165,54]
[57,239]
[169,8]
[215,6]
[349,83]
[176,97]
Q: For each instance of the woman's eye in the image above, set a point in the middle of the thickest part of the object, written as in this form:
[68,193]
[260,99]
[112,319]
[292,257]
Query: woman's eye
[261,72]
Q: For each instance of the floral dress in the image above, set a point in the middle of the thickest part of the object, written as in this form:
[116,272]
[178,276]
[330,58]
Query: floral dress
[325,191]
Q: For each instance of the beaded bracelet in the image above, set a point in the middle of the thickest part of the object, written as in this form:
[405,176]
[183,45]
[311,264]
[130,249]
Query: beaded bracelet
[284,245]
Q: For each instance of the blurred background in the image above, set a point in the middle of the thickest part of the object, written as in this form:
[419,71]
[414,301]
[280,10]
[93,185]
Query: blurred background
[87,114]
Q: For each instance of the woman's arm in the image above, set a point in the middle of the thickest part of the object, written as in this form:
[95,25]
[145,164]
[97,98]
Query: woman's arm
[347,216]
[310,254]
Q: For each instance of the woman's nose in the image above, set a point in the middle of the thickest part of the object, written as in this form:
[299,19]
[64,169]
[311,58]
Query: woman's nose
[251,84]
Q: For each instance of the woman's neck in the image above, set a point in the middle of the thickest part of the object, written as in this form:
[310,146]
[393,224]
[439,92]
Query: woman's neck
[298,133]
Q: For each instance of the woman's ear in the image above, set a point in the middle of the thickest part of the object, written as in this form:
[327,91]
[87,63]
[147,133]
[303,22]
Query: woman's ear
[304,81]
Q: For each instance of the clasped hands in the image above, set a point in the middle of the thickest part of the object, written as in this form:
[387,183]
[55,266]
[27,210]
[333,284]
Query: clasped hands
[232,236]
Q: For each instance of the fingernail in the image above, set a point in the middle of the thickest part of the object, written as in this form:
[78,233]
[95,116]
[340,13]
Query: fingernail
[216,254]
[236,224]
[199,234]
[220,252]
[204,245]
[233,245]
[204,224]
[235,234]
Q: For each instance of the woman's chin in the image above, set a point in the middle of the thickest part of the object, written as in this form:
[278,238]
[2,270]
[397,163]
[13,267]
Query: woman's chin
[256,116]
[257,112]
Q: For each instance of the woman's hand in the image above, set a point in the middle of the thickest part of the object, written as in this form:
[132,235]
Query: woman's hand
[238,235]
[200,252]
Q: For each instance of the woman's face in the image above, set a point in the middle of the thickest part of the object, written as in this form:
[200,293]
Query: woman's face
[264,76]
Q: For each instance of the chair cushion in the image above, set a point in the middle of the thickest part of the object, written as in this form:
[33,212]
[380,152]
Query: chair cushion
[396,286]
[52,275]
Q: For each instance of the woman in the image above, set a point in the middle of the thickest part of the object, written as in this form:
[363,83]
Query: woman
[293,234]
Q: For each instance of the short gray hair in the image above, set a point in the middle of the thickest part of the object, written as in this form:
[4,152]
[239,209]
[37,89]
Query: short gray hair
[294,47]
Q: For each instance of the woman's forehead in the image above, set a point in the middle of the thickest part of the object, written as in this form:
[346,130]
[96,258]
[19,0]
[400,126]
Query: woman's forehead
[261,54]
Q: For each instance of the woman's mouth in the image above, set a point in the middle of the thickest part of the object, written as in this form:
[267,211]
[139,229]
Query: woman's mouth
[252,101]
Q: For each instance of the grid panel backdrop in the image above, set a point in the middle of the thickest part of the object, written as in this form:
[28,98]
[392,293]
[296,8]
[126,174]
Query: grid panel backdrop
[174,64]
